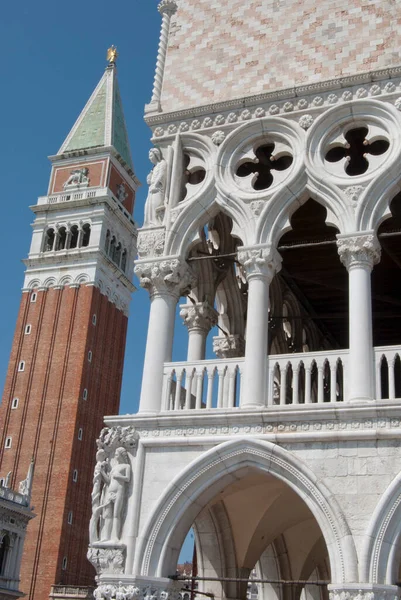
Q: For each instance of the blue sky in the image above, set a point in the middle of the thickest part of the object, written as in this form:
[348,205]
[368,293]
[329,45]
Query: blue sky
[53,57]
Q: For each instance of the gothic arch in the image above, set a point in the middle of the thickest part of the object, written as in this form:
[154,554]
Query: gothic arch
[185,231]
[202,479]
[381,552]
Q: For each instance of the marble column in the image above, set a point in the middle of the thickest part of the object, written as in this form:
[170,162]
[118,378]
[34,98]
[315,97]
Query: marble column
[359,253]
[199,319]
[166,281]
[260,266]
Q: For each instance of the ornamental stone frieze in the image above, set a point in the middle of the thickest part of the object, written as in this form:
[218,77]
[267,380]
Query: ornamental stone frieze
[359,249]
[172,276]
[260,262]
[363,592]
[138,590]
[199,316]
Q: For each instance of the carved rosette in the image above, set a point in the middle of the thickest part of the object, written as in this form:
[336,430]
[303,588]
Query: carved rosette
[151,243]
[199,316]
[262,262]
[173,277]
[107,559]
[229,346]
[359,250]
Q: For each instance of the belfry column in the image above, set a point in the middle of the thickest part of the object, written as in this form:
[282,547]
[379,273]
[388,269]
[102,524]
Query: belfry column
[260,266]
[199,319]
[166,281]
[359,253]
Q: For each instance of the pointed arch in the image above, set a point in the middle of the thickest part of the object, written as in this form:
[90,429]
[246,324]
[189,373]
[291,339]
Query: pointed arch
[381,551]
[204,477]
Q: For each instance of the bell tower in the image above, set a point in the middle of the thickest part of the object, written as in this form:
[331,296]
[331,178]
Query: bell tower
[66,361]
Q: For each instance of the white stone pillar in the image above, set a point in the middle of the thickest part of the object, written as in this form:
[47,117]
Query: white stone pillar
[260,265]
[166,281]
[359,253]
[167,9]
[199,319]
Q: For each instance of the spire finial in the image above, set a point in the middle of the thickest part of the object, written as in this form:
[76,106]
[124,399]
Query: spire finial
[112,55]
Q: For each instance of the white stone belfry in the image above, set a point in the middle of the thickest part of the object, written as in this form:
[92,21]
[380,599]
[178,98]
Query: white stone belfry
[273,220]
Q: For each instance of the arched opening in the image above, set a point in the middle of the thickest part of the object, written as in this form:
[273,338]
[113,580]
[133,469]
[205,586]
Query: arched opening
[124,260]
[386,304]
[61,238]
[49,240]
[279,540]
[4,550]
[74,236]
[107,242]
[309,305]
[86,235]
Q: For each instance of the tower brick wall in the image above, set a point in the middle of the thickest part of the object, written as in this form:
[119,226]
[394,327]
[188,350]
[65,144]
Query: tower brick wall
[225,49]
[51,411]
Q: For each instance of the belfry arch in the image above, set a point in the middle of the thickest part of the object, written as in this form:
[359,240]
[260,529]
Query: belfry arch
[224,466]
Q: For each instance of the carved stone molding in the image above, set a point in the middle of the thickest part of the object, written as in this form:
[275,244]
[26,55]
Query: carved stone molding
[260,262]
[107,559]
[359,249]
[151,243]
[229,346]
[199,316]
[172,276]
[167,6]
[353,193]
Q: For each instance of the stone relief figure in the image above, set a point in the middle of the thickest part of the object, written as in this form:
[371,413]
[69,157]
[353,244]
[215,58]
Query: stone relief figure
[113,496]
[97,493]
[77,177]
[122,195]
[156,180]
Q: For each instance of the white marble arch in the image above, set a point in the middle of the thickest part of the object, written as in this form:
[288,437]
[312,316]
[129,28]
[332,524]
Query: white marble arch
[190,491]
[381,552]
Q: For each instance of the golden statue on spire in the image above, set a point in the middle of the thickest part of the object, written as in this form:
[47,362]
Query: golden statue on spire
[112,55]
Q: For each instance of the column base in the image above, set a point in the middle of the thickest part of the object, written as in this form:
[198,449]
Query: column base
[363,591]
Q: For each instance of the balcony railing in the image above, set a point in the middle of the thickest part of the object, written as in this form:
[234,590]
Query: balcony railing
[293,379]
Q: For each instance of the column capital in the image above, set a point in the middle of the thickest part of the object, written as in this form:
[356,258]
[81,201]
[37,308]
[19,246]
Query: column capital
[359,249]
[262,262]
[229,346]
[167,6]
[173,277]
[199,316]
[363,591]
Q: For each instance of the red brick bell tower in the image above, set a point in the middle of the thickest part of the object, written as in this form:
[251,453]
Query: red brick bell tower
[67,356]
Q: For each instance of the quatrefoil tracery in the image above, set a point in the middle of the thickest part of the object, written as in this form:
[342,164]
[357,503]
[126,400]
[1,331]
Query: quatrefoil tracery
[268,158]
[194,174]
[354,148]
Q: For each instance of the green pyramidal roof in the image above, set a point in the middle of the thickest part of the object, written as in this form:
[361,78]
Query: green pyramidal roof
[101,123]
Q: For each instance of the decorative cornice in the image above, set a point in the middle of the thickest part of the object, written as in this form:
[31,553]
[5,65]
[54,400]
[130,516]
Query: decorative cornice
[172,277]
[301,101]
[260,262]
[359,249]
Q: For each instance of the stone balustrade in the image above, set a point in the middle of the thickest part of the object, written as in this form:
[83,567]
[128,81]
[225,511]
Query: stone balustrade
[293,379]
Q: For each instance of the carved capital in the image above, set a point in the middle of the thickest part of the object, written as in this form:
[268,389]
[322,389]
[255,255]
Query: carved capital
[137,590]
[107,559]
[111,438]
[363,592]
[172,276]
[262,262]
[229,346]
[359,250]
[151,243]
[167,6]
[199,316]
